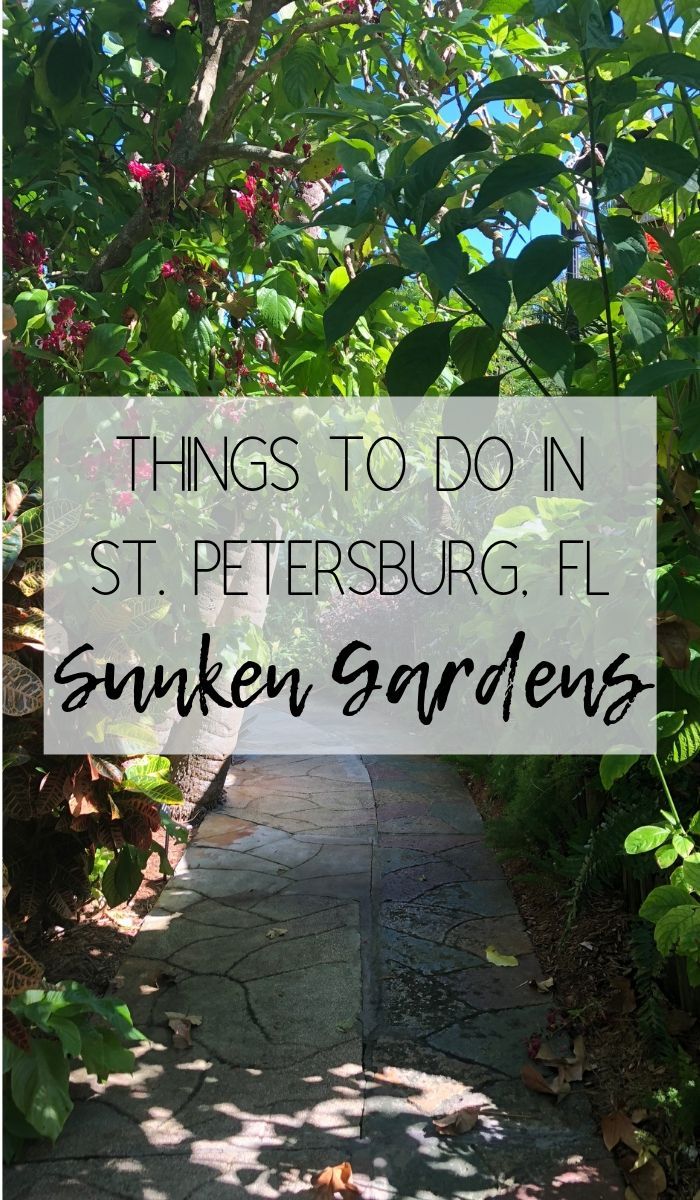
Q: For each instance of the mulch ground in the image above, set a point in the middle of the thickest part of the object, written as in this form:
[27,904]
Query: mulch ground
[90,950]
[593,995]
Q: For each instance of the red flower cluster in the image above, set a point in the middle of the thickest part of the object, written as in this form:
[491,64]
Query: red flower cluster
[195,300]
[183,268]
[67,333]
[150,177]
[21,250]
[20,399]
[663,287]
[256,200]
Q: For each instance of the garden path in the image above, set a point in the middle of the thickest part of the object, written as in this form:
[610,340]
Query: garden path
[329,926]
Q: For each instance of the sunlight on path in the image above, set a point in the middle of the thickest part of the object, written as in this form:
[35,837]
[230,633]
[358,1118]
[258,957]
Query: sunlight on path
[329,926]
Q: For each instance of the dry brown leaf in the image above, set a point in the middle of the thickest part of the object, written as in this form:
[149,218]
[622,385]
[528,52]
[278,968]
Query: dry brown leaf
[335,1179]
[685,485]
[649,1180]
[181,1025]
[673,641]
[542,985]
[617,1127]
[458,1122]
[638,1114]
[558,1086]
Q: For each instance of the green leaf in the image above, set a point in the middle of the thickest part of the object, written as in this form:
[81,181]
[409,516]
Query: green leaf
[67,64]
[689,679]
[427,170]
[446,262]
[665,857]
[538,264]
[613,767]
[647,837]
[661,900]
[683,746]
[522,171]
[471,350]
[168,367]
[355,299]
[586,297]
[489,290]
[122,878]
[647,324]
[667,158]
[672,68]
[103,343]
[547,346]
[623,169]
[418,359]
[275,308]
[627,248]
[691,870]
[11,545]
[650,380]
[519,87]
[145,263]
[302,72]
[676,928]
[103,1053]
[39,1085]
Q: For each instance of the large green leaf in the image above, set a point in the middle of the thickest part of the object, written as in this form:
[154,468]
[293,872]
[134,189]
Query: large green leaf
[547,346]
[613,767]
[489,291]
[522,171]
[39,1085]
[275,308]
[647,324]
[168,367]
[672,68]
[122,878]
[103,1053]
[418,359]
[356,297]
[302,72]
[472,349]
[538,264]
[651,379]
[519,87]
[623,169]
[103,343]
[667,158]
[427,170]
[586,297]
[627,248]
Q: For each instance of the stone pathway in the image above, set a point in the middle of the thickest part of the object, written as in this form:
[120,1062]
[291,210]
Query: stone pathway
[329,927]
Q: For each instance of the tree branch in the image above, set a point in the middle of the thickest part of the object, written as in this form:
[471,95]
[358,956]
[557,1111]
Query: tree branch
[249,152]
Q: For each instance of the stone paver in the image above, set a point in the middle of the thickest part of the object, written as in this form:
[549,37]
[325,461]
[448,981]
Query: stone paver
[329,926]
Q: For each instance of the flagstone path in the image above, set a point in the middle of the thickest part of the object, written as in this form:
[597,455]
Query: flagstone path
[329,927]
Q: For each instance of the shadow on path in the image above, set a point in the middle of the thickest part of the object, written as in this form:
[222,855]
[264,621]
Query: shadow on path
[329,926]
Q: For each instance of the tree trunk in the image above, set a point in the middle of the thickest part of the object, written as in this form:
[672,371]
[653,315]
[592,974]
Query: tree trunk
[201,776]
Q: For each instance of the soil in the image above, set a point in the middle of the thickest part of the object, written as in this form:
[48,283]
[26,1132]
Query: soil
[593,995]
[90,950]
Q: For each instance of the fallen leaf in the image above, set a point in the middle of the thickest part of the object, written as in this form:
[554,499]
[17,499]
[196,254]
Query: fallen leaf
[542,985]
[630,1194]
[558,1086]
[165,979]
[181,1025]
[673,640]
[335,1179]
[458,1122]
[616,1127]
[275,933]
[586,945]
[649,1180]
[497,959]
[638,1114]
[346,1026]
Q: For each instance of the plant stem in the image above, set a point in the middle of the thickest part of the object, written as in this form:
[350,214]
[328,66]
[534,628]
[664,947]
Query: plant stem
[522,362]
[598,229]
[667,794]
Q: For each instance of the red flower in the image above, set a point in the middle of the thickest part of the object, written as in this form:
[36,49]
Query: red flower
[171,269]
[195,301]
[124,501]
[124,356]
[652,245]
[138,170]
[665,290]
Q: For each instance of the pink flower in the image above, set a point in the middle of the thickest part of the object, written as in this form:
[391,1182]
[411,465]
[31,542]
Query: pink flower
[144,471]
[124,501]
[138,170]
[170,269]
[195,301]
[124,356]
[665,290]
